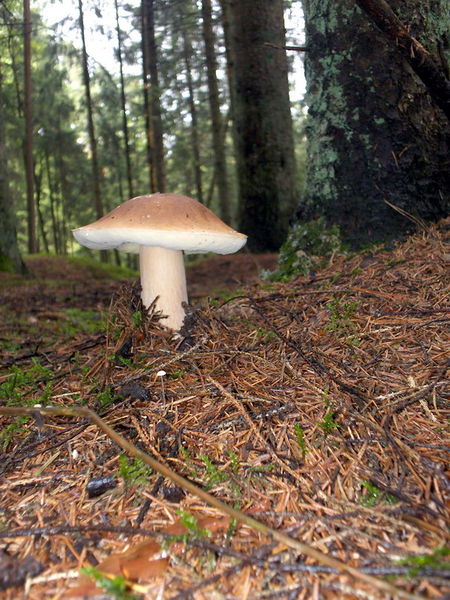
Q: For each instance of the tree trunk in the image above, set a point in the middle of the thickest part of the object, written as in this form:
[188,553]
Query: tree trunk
[220,164]
[41,220]
[374,134]
[226,26]
[91,129]
[422,62]
[262,120]
[10,259]
[52,195]
[28,141]
[187,51]
[123,104]
[146,93]
[152,94]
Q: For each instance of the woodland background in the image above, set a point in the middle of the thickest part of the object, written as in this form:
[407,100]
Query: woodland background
[193,97]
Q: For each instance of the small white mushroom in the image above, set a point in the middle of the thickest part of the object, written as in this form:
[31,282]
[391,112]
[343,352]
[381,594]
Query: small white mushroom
[160,227]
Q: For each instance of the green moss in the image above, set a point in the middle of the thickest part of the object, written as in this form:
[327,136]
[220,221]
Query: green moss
[6,264]
[308,246]
[102,270]
[87,321]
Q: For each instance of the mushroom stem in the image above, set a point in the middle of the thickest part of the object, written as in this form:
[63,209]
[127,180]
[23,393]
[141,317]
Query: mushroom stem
[163,275]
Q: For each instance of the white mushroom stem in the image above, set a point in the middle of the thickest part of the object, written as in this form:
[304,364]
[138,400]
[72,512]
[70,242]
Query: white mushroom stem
[163,275]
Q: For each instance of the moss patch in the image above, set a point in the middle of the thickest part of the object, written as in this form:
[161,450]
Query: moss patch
[6,264]
[308,246]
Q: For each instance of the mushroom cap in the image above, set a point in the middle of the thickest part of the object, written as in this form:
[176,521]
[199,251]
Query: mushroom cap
[164,220]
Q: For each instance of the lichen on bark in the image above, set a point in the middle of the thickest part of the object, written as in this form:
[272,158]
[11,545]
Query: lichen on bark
[374,133]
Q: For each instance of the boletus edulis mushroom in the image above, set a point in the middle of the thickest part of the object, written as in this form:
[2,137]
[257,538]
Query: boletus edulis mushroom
[160,227]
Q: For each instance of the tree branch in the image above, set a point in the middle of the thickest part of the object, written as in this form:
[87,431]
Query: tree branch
[295,48]
[417,56]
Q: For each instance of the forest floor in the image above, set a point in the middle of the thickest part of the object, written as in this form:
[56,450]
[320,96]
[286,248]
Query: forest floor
[319,407]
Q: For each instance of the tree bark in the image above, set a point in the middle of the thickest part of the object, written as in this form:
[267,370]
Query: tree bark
[123,106]
[91,128]
[262,121]
[98,203]
[220,164]
[152,97]
[41,220]
[374,134]
[413,51]
[10,259]
[187,51]
[28,141]
[52,195]
[146,95]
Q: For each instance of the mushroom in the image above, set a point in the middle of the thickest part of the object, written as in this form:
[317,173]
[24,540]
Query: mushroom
[160,227]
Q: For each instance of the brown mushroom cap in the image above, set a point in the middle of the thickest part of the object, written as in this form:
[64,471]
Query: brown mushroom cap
[164,220]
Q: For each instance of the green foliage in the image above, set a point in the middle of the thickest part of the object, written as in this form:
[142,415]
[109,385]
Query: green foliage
[374,495]
[341,313]
[340,320]
[226,297]
[430,561]
[17,385]
[133,472]
[234,459]
[117,587]
[308,246]
[328,423]
[11,431]
[82,321]
[194,530]
[105,398]
[6,264]
[265,334]
[214,474]
[300,437]
[99,270]
[137,318]
[177,374]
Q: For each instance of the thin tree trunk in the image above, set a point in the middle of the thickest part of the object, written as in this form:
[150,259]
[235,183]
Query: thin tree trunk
[151,88]
[38,187]
[63,192]
[51,191]
[226,26]
[28,142]
[210,193]
[187,49]
[91,129]
[10,259]
[123,103]
[220,165]
[146,92]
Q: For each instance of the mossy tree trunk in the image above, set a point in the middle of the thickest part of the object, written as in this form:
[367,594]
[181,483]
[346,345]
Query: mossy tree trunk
[262,120]
[374,133]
